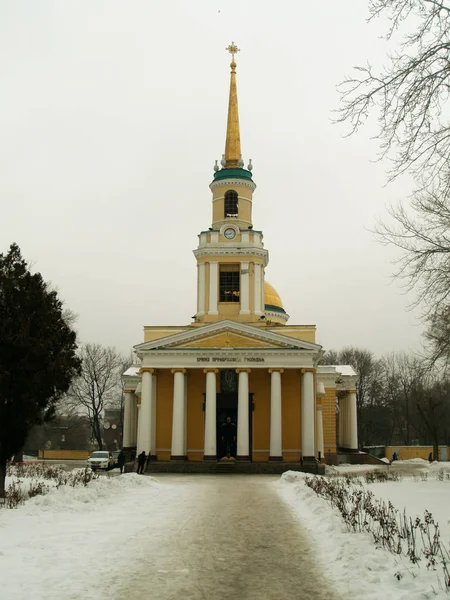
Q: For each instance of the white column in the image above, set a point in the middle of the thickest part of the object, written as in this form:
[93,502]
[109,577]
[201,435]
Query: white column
[242,419]
[145,417]
[262,290]
[319,425]
[178,419]
[201,289]
[185,415]
[138,427]
[213,287]
[245,288]
[127,419]
[346,423]
[275,415]
[353,421]
[308,450]
[257,288]
[341,422]
[134,413]
[210,449]
[153,417]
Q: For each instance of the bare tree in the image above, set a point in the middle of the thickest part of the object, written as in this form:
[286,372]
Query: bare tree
[404,375]
[423,236]
[410,94]
[97,386]
[433,406]
[438,335]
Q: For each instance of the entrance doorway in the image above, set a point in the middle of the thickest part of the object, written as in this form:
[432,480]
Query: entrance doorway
[226,425]
[227,411]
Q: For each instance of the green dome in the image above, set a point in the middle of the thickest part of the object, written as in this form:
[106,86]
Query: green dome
[232,174]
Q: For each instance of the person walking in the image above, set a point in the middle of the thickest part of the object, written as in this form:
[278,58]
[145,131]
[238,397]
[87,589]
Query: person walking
[141,463]
[121,460]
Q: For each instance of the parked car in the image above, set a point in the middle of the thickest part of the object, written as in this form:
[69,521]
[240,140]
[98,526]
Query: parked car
[100,459]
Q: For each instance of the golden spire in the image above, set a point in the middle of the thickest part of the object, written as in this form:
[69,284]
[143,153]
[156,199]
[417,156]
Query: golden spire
[233,141]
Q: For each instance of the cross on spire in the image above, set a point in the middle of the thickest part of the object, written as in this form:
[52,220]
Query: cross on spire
[232,49]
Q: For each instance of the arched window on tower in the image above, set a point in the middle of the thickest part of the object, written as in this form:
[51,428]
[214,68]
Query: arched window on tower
[231,204]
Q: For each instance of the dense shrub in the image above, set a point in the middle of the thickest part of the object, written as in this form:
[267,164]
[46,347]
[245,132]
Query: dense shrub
[16,494]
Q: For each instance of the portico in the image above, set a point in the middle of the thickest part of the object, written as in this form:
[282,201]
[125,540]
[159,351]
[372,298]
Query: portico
[279,390]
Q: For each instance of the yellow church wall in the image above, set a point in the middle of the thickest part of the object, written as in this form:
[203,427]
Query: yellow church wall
[196,384]
[329,421]
[244,211]
[259,385]
[244,202]
[164,411]
[306,333]
[291,414]
[228,310]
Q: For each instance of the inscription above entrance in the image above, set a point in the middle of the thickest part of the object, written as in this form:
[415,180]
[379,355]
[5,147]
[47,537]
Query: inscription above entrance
[224,359]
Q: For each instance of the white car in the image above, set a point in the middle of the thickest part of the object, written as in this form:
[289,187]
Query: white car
[100,459]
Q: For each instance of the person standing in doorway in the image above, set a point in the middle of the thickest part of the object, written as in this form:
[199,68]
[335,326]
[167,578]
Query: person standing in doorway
[228,435]
[141,463]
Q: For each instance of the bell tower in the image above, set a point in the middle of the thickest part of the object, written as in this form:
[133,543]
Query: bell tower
[230,256]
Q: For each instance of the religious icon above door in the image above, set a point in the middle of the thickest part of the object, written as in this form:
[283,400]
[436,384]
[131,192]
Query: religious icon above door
[228,381]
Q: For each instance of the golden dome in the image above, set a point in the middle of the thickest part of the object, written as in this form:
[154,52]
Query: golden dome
[271,296]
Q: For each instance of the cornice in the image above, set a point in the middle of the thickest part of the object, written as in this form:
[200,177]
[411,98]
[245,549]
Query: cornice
[219,251]
[328,379]
[276,315]
[235,181]
[346,383]
[231,353]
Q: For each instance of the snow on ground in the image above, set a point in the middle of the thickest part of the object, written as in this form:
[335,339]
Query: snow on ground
[226,537]
[130,536]
[348,556]
[66,544]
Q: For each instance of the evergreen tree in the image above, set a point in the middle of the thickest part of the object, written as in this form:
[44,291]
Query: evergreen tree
[37,354]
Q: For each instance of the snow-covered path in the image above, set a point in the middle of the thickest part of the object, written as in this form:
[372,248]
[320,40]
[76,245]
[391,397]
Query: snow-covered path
[189,537]
[235,540]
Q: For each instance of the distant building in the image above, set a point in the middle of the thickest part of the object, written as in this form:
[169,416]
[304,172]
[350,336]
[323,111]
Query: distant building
[238,381]
[112,429]
[63,433]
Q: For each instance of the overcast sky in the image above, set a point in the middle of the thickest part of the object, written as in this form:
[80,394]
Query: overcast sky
[111,116]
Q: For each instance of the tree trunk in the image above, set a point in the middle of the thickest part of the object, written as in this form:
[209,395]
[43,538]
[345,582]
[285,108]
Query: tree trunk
[2,477]
[97,432]
[436,450]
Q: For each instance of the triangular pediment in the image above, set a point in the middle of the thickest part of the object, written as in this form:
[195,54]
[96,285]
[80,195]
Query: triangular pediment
[226,334]
[227,339]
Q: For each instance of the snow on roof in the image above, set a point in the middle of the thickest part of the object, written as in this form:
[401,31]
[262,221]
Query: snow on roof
[345,370]
[133,371]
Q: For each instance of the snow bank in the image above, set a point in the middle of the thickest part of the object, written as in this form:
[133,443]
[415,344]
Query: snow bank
[69,543]
[352,557]
[74,499]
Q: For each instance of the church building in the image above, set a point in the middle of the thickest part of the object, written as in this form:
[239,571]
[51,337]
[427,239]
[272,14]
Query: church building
[237,384]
